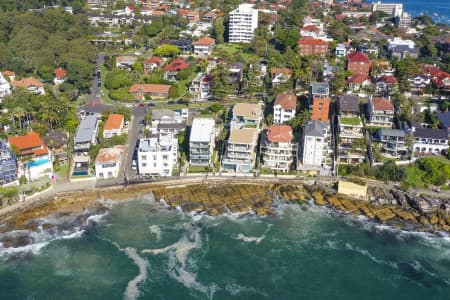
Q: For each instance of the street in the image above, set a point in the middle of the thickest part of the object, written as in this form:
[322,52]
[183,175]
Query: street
[96,90]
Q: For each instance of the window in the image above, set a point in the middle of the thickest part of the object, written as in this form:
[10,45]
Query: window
[144,157]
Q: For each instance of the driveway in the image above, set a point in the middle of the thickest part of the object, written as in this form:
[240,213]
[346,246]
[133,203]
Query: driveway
[96,91]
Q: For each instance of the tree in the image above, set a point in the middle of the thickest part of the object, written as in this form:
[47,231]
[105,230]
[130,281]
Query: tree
[123,110]
[167,50]
[154,28]
[287,37]
[299,120]
[218,30]
[175,91]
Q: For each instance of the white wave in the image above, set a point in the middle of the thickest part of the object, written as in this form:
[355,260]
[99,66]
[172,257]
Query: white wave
[366,253]
[156,230]
[132,291]
[96,218]
[235,289]
[250,239]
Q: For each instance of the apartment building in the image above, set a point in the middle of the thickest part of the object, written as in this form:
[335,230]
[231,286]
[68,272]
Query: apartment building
[319,101]
[350,129]
[429,141]
[107,163]
[358,63]
[278,148]
[242,23]
[315,147]
[392,9]
[157,155]
[392,141]
[246,115]
[8,165]
[201,87]
[240,150]
[201,141]
[311,46]
[284,108]
[380,112]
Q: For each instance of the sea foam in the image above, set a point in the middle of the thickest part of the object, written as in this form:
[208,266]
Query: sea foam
[132,291]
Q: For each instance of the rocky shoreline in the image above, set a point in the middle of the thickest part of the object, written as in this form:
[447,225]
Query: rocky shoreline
[388,206]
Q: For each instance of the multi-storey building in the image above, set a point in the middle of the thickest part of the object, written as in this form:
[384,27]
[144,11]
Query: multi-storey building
[5,88]
[201,87]
[8,165]
[107,163]
[242,23]
[350,129]
[392,9]
[392,141]
[204,46]
[277,148]
[429,141]
[246,115]
[315,147]
[358,63]
[310,46]
[240,150]
[157,155]
[284,108]
[319,101]
[86,134]
[380,112]
[201,141]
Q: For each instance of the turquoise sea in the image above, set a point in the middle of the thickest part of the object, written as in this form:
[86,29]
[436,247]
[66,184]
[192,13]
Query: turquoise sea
[141,250]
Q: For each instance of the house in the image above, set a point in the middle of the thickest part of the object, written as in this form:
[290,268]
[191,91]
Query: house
[157,155]
[418,83]
[246,115]
[352,189]
[184,45]
[319,101]
[277,148]
[172,69]
[280,75]
[164,116]
[129,10]
[358,63]
[401,48]
[380,112]
[29,144]
[152,63]
[174,128]
[191,16]
[107,163]
[340,51]
[350,129]
[204,46]
[30,84]
[242,24]
[392,141]
[403,20]
[10,74]
[159,91]
[60,76]
[358,81]
[429,141]
[315,147]
[311,46]
[240,150]
[57,142]
[113,126]
[201,141]
[442,81]
[444,119]
[5,87]
[8,165]
[201,87]
[236,71]
[387,84]
[86,135]
[126,61]
[284,108]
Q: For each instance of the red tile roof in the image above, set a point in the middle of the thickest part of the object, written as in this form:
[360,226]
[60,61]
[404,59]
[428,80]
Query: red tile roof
[27,82]
[207,78]
[310,41]
[205,41]
[150,88]
[311,28]
[286,101]
[29,141]
[389,79]
[279,133]
[381,103]
[153,60]
[177,65]
[60,73]
[358,57]
[285,71]
[131,7]
[115,121]
[8,73]
[358,78]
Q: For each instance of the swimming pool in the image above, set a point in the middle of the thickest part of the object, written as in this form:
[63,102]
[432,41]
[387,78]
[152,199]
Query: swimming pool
[38,162]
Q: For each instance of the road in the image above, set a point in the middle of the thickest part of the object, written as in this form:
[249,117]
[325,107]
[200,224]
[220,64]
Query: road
[96,91]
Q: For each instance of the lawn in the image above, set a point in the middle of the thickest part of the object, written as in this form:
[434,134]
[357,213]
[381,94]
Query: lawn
[63,170]
[351,121]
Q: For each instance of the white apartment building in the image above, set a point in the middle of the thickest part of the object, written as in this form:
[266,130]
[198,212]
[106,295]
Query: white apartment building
[316,149]
[240,151]
[429,141]
[393,9]
[201,87]
[284,108]
[157,155]
[246,115]
[277,148]
[242,24]
[107,163]
[5,87]
[201,141]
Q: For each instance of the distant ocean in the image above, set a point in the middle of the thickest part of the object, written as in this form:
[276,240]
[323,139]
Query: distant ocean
[439,10]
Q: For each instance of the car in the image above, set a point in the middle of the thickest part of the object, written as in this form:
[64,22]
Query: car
[99,83]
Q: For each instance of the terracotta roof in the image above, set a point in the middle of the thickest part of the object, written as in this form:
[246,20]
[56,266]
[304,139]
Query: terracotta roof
[207,78]
[285,71]
[358,78]
[131,7]
[279,133]
[389,79]
[115,121]
[205,41]
[358,57]
[306,41]
[244,136]
[286,101]
[381,103]
[9,73]
[109,155]
[176,65]
[150,88]
[60,73]
[28,141]
[153,60]
[27,82]
[251,111]
[311,28]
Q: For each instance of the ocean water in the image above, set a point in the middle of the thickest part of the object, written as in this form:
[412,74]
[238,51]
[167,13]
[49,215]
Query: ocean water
[140,250]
